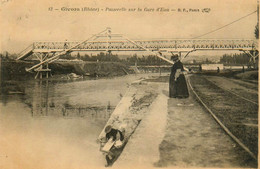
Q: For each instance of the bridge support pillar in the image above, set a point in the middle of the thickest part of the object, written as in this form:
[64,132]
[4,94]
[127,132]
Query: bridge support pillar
[253,55]
[41,70]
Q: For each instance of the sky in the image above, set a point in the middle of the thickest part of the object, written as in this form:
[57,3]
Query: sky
[25,21]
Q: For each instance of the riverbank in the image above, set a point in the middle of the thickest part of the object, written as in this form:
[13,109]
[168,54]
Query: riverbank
[132,108]
[178,133]
[142,149]
[15,70]
[55,124]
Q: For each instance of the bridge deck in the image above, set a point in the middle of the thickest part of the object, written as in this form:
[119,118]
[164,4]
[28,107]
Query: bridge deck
[121,45]
[58,49]
[141,45]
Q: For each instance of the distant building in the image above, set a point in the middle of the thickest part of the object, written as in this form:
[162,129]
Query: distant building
[212,66]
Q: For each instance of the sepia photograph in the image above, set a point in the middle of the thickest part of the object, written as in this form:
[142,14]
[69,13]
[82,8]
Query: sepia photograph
[88,84]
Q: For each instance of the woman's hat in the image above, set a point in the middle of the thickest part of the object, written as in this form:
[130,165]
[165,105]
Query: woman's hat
[108,129]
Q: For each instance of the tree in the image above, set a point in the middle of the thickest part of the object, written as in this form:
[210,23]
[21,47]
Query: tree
[257,31]
[7,55]
[85,57]
[207,60]
[241,58]
[78,56]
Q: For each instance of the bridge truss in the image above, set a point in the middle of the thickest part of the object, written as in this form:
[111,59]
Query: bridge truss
[47,52]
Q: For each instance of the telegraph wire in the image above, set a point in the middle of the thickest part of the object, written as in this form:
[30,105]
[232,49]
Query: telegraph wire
[224,25]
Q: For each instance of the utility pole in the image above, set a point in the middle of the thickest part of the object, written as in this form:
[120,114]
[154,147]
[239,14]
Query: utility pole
[257,24]
[258,13]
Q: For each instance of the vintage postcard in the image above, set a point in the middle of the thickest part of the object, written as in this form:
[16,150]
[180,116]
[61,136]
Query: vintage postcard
[129,84]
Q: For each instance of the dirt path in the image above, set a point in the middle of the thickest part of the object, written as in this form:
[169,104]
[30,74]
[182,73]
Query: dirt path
[142,148]
[194,139]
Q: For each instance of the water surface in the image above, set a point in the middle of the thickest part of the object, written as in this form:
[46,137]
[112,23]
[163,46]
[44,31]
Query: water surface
[55,124]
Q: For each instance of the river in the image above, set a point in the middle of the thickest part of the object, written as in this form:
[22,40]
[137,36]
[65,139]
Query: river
[55,123]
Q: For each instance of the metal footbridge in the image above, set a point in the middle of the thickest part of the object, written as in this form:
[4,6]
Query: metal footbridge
[48,52]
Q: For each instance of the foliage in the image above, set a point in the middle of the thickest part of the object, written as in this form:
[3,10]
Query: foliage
[109,57]
[145,60]
[7,55]
[100,57]
[235,59]
[257,31]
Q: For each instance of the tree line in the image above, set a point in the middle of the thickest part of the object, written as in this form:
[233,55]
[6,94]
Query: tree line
[241,58]
[99,57]
[109,57]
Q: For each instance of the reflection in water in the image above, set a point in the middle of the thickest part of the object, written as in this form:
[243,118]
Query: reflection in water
[55,123]
[90,112]
[66,98]
[11,90]
[43,104]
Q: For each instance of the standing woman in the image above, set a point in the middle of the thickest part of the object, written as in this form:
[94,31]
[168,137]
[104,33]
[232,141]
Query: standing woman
[177,84]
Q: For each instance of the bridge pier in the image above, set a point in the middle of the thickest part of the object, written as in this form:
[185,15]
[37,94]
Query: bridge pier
[40,73]
[253,55]
[41,70]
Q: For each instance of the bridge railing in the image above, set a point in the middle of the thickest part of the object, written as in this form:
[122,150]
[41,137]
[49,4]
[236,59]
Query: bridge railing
[151,44]
[30,47]
[25,51]
[54,45]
